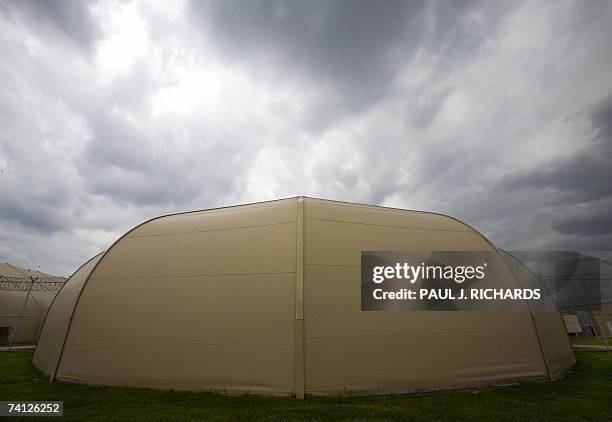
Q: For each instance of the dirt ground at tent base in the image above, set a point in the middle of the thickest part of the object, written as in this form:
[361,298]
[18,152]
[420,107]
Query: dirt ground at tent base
[585,394]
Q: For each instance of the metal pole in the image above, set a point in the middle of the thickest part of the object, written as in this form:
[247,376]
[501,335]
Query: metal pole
[603,334]
[21,314]
[588,305]
[299,305]
[594,323]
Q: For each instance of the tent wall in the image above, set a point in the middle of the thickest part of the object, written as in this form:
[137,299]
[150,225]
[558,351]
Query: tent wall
[213,300]
[11,305]
[548,322]
[12,271]
[56,322]
[397,351]
[201,301]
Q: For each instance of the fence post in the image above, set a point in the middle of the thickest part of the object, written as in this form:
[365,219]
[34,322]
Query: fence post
[603,334]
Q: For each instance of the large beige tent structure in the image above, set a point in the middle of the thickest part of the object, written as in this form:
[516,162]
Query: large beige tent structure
[265,298]
[21,316]
[22,313]
[10,272]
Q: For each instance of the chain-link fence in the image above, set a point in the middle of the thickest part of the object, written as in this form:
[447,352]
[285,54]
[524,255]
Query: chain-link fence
[49,284]
[588,297]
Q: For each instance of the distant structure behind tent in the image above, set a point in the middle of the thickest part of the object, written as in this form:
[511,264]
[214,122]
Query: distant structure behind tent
[572,324]
[14,278]
[25,297]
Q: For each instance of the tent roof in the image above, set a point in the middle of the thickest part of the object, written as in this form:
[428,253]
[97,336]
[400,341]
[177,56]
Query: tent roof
[12,271]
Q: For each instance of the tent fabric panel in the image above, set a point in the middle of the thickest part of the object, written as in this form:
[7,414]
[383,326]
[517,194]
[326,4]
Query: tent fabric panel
[206,331]
[329,289]
[376,364]
[28,328]
[43,299]
[55,327]
[8,270]
[368,214]
[179,366]
[467,347]
[11,304]
[339,243]
[220,303]
[251,250]
[555,343]
[260,214]
[548,322]
[242,310]
[334,241]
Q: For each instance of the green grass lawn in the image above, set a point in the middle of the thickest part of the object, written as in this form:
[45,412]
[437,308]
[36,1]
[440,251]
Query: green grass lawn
[585,394]
[590,340]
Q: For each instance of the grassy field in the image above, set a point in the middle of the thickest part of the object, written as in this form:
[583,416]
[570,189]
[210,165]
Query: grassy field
[585,394]
[589,340]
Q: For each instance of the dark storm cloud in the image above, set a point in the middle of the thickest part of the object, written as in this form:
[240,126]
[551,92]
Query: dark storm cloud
[34,194]
[570,194]
[593,222]
[328,39]
[601,118]
[132,165]
[580,184]
[143,167]
[33,215]
[72,18]
[585,175]
[348,52]
[426,104]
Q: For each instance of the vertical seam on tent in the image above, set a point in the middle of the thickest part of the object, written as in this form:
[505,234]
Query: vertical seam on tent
[299,303]
[42,327]
[535,327]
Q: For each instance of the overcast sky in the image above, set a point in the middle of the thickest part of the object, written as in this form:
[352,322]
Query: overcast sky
[498,113]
